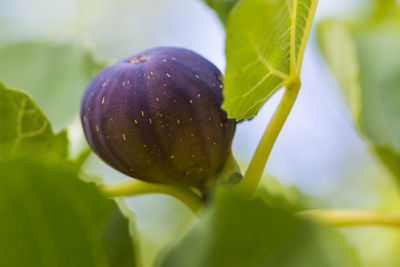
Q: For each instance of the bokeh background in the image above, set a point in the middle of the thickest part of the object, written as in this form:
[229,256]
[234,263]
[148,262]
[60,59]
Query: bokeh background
[318,151]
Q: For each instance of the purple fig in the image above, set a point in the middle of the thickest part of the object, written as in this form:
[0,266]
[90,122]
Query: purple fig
[157,116]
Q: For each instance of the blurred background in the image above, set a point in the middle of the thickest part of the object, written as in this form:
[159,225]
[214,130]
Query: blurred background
[319,150]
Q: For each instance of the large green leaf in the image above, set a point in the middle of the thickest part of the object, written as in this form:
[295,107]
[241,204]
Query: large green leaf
[55,75]
[237,232]
[50,218]
[222,7]
[265,43]
[363,56]
[25,131]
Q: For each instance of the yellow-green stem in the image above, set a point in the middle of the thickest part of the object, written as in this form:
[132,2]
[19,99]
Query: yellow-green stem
[344,218]
[136,187]
[257,164]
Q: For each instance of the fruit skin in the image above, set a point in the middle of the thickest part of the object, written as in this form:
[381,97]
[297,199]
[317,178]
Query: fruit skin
[157,116]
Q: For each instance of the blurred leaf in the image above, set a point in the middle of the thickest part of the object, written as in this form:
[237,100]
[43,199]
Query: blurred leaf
[25,131]
[279,196]
[54,74]
[240,232]
[339,49]
[390,158]
[222,7]
[51,218]
[265,44]
[363,57]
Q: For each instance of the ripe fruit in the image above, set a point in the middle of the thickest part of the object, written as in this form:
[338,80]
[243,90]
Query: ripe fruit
[157,116]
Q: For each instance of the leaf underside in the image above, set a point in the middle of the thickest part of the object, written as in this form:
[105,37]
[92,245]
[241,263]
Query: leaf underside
[265,52]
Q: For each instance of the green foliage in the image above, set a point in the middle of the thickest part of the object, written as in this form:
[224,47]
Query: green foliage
[48,214]
[222,7]
[52,218]
[241,232]
[265,52]
[369,79]
[25,131]
[55,75]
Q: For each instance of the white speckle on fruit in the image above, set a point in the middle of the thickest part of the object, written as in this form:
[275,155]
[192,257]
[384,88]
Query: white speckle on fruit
[104,84]
[178,121]
[174,100]
[97,128]
[173,58]
[191,101]
[85,118]
[142,113]
[157,99]
[124,137]
[123,83]
[135,121]
[221,124]
[172,156]
[163,60]
[144,145]
[150,121]
[190,119]
[198,95]
[196,75]
[168,75]
[220,86]
[102,100]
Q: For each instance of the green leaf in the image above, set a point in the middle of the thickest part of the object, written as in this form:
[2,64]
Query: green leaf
[25,131]
[222,7]
[241,232]
[50,218]
[363,57]
[265,43]
[55,75]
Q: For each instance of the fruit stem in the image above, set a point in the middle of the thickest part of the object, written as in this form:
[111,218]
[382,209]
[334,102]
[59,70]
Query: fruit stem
[345,218]
[257,164]
[136,187]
